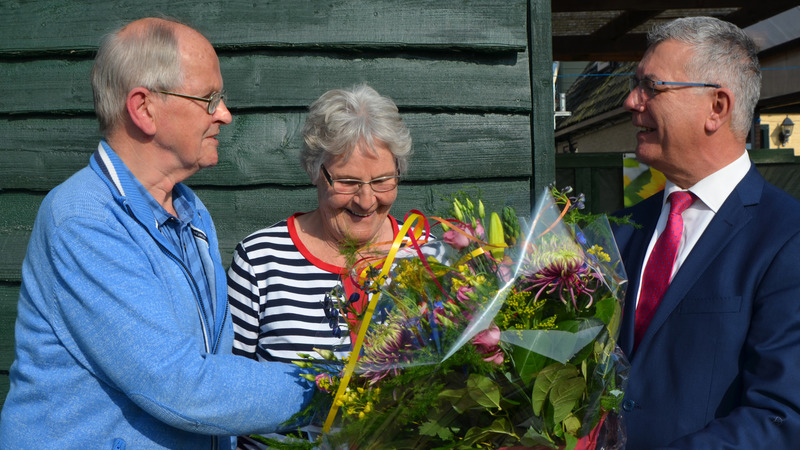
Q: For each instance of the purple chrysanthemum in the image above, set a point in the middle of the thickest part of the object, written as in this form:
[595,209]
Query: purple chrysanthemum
[384,352]
[567,274]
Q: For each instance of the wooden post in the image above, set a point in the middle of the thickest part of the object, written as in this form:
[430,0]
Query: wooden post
[540,46]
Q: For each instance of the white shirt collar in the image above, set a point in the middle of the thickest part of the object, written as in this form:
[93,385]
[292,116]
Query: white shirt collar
[714,189]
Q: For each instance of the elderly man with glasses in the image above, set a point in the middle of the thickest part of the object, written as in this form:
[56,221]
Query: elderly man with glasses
[123,335]
[712,313]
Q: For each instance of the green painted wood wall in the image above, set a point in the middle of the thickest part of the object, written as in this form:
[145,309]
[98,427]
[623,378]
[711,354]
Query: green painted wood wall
[471,77]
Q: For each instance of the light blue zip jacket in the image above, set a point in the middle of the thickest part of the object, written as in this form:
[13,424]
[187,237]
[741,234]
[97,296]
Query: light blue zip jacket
[114,348]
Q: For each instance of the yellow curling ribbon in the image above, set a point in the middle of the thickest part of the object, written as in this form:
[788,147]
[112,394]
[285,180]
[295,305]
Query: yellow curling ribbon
[362,330]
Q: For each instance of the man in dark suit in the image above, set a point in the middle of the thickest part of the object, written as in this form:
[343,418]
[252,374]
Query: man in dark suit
[712,330]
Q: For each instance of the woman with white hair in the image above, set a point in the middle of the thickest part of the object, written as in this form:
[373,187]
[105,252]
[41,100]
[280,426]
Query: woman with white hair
[282,280]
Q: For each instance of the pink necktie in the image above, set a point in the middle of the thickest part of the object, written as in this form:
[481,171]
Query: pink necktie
[658,270]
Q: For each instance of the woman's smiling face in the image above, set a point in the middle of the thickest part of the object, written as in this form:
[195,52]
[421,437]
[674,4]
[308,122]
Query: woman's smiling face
[358,216]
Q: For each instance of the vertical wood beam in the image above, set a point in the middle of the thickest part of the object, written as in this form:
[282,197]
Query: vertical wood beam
[540,48]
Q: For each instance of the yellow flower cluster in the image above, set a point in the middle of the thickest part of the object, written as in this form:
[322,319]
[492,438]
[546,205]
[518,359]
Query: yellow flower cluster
[404,272]
[469,279]
[599,253]
[358,402]
[410,273]
[521,313]
[547,324]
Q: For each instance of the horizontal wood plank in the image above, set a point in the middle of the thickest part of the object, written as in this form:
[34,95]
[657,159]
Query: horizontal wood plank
[9,292]
[4,386]
[239,212]
[16,223]
[55,25]
[36,154]
[412,82]
[259,80]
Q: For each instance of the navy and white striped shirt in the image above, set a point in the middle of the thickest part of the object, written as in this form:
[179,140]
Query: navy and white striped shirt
[276,289]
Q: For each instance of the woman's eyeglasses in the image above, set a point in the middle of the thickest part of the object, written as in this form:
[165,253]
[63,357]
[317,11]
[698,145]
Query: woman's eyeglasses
[351,186]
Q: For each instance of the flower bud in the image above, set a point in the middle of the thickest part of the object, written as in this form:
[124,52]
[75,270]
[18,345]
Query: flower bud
[325,354]
[457,211]
[496,238]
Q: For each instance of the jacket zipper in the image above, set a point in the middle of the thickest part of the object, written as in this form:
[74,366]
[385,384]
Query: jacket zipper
[187,274]
[198,299]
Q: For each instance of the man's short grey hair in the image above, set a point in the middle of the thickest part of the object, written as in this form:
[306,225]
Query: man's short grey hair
[723,54]
[342,118]
[125,61]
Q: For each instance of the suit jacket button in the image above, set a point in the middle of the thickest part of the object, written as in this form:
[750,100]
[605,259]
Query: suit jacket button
[628,405]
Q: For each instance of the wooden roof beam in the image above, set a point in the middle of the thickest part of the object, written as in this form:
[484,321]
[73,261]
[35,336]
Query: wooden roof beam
[657,5]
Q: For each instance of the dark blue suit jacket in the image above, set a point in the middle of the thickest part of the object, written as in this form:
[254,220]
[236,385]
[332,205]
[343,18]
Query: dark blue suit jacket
[719,366]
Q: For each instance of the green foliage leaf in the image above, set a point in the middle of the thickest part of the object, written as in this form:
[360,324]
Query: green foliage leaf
[459,399]
[565,393]
[432,428]
[562,385]
[616,318]
[528,363]
[605,309]
[572,425]
[533,438]
[500,426]
[571,442]
[542,385]
[484,391]
[573,326]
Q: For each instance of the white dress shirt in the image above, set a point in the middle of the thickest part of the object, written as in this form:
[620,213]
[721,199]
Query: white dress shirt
[711,192]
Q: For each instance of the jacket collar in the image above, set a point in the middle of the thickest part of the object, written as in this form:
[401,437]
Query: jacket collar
[122,183]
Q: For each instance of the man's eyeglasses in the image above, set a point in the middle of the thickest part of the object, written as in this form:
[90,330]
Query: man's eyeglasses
[213,100]
[350,186]
[648,86]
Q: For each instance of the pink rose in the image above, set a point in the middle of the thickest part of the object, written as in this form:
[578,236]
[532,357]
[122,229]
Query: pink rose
[455,239]
[487,343]
[460,240]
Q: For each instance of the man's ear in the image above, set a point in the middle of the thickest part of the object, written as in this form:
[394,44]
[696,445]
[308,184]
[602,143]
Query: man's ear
[721,109]
[140,109]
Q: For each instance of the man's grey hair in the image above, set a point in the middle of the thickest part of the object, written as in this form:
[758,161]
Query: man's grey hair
[149,59]
[723,54]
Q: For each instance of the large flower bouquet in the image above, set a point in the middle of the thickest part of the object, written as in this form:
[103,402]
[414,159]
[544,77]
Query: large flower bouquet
[501,334]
